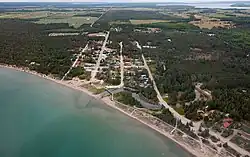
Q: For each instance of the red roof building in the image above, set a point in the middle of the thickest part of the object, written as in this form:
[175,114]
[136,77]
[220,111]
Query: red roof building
[227,122]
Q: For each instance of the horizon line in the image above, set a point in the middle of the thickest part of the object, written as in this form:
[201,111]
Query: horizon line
[172,1]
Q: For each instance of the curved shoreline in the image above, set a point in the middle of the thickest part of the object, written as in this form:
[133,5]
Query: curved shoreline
[111,104]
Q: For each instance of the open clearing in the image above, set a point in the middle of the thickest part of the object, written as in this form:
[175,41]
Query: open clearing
[72,21]
[218,15]
[46,17]
[137,22]
[119,22]
[209,23]
[137,9]
[183,15]
[25,15]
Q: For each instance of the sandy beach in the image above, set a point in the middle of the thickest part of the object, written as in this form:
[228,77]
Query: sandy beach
[109,102]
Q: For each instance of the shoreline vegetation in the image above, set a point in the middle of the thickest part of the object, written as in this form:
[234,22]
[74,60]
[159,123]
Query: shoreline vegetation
[191,145]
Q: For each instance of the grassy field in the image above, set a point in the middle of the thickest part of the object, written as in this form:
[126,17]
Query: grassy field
[24,15]
[137,22]
[209,23]
[93,89]
[96,90]
[72,21]
[218,15]
[45,17]
[229,13]
[43,14]
[138,9]
[119,22]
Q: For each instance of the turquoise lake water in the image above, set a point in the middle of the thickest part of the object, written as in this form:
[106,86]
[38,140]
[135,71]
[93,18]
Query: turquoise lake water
[39,118]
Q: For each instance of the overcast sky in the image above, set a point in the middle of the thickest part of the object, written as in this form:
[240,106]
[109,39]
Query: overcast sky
[116,0]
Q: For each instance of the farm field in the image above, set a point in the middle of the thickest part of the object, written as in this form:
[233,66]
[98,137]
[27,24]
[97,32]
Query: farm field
[73,18]
[119,22]
[137,22]
[24,15]
[209,23]
[137,9]
[72,21]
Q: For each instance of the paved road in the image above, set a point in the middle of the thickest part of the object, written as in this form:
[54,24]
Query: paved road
[100,17]
[108,91]
[94,72]
[203,92]
[183,119]
[146,104]
[74,64]
[138,45]
[161,101]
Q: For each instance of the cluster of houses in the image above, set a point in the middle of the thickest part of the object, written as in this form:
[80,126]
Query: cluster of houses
[136,77]
[144,81]
[110,61]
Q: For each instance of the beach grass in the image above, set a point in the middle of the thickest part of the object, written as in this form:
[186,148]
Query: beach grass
[95,90]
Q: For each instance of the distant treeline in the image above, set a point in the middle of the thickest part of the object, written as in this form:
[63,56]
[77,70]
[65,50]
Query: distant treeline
[89,14]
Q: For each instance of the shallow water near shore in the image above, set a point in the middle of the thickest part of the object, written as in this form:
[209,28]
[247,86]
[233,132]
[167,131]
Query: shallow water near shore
[40,118]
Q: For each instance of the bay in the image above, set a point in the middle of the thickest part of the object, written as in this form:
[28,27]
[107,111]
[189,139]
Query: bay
[39,118]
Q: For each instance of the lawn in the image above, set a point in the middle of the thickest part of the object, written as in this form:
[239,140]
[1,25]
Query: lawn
[95,90]
[180,110]
[152,67]
[165,99]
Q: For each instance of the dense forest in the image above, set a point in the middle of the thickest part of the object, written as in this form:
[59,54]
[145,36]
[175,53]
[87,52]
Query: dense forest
[185,56]
[119,17]
[28,44]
